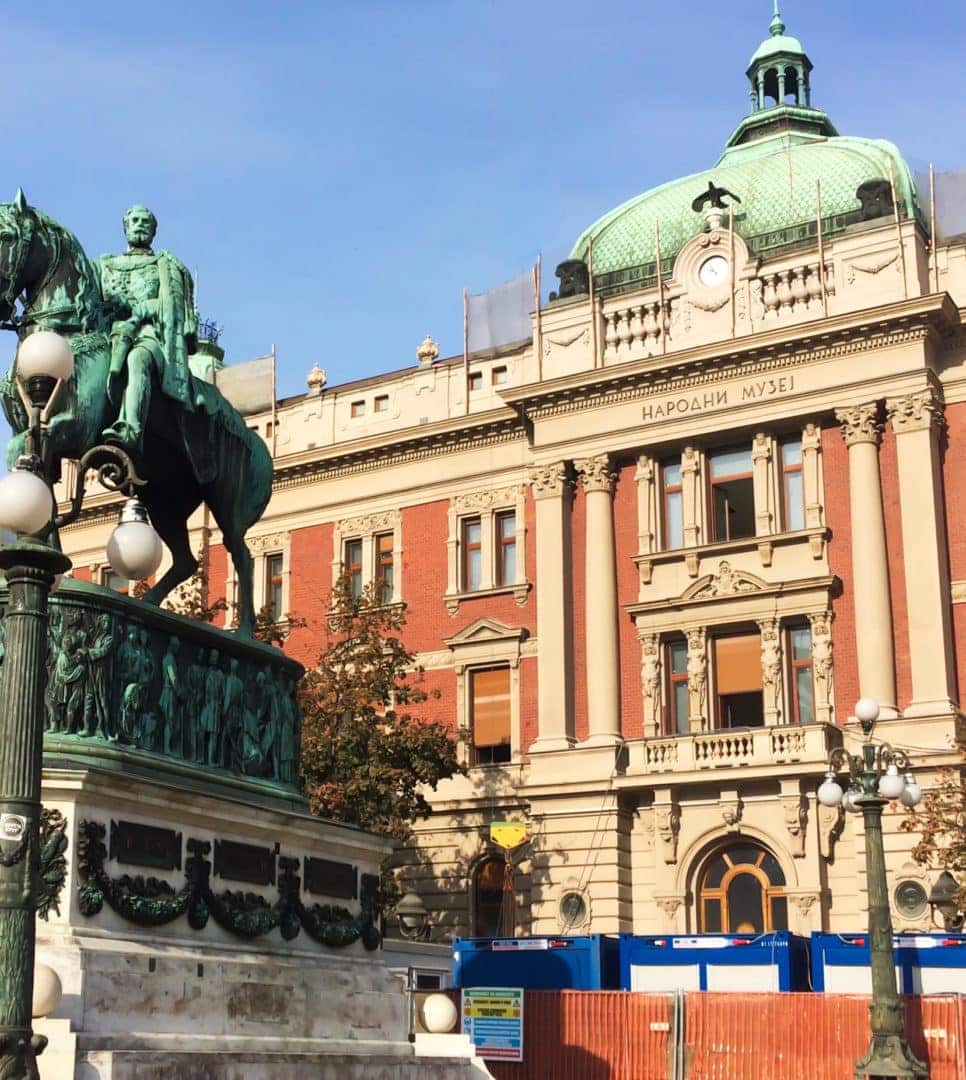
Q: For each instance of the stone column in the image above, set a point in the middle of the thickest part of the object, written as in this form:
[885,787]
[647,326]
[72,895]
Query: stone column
[917,422]
[600,591]
[761,460]
[862,430]
[555,713]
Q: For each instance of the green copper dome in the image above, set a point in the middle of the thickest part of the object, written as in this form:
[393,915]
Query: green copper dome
[772,163]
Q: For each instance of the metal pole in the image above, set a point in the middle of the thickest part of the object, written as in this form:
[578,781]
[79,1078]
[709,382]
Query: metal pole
[30,568]
[888,1054]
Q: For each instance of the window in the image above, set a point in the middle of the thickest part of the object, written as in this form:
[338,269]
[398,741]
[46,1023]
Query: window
[381,403]
[273,584]
[472,554]
[112,580]
[384,568]
[800,661]
[268,429]
[793,492]
[677,691]
[673,505]
[732,495]
[475,380]
[737,677]
[506,548]
[489,917]
[499,376]
[490,715]
[742,891]
[357,408]
[353,566]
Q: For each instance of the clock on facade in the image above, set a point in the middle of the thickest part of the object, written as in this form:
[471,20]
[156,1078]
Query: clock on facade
[713,271]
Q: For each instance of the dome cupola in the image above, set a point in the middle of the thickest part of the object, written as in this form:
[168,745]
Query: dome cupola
[779,70]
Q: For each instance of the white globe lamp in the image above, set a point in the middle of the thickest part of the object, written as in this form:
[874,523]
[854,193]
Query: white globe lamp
[848,800]
[26,503]
[47,990]
[912,793]
[439,1014]
[134,548]
[867,711]
[830,792]
[45,355]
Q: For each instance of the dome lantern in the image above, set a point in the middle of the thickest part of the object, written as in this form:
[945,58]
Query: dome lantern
[779,70]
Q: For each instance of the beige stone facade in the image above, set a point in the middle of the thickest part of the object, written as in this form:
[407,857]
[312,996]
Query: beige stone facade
[835,376]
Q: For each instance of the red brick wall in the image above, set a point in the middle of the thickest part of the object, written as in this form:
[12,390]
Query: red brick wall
[835,462]
[82,573]
[217,577]
[954,481]
[625,534]
[310,590]
[889,471]
[578,525]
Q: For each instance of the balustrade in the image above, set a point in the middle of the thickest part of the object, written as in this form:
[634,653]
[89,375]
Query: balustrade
[794,291]
[635,330]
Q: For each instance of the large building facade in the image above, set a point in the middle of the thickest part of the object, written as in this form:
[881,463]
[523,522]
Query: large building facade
[653,554]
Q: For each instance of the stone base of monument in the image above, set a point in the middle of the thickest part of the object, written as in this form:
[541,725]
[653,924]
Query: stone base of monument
[207,935]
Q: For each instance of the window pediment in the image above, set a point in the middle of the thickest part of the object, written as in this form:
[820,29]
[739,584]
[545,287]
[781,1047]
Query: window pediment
[485,630]
[728,581]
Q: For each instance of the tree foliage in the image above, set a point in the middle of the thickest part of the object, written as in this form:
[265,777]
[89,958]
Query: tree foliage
[365,757]
[940,821]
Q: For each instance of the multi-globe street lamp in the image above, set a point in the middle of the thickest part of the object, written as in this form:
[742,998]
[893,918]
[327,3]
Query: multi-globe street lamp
[32,564]
[874,778]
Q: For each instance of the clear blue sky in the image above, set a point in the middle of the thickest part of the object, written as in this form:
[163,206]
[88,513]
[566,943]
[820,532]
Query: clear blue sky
[337,171]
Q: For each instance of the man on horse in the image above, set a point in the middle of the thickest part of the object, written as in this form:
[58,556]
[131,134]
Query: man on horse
[154,329]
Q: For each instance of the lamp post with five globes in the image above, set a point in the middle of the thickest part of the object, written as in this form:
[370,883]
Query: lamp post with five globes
[32,565]
[877,776]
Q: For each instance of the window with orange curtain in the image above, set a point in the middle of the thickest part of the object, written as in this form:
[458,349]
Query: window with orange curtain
[737,681]
[490,715]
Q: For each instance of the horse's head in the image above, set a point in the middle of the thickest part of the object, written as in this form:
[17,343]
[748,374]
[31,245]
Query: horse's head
[17,228]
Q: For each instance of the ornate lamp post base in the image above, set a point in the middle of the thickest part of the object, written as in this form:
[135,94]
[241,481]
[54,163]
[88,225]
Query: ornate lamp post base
[890,1056]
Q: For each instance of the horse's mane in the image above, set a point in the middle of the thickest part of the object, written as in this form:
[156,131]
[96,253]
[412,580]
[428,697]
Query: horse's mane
[61,241]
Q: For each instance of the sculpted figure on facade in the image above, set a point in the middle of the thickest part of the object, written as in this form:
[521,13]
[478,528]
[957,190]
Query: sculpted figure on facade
[193,747]
[697,679]
[288,724]
[822,664]
[69,678]
[651,682]
[667,822]
[795,809]
[230,748]
[97,698]
[169,703]
[771,670]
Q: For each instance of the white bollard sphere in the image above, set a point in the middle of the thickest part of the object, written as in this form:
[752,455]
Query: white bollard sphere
[439,1014]
[47,990]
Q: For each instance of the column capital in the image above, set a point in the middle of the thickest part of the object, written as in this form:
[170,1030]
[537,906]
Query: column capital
[915,412]
[860,424]
[595,473]
[549,481]
[811,437]
[761,447]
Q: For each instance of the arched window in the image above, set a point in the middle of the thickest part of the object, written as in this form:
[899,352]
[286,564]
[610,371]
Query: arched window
[488,898]
[741,890]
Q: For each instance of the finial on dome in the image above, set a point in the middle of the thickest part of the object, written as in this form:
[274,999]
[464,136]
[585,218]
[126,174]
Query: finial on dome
[777,27]
[427,352]
[316,379]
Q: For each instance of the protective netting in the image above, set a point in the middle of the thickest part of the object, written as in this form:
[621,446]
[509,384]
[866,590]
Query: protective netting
[249,386]
[501,315]
[950,201]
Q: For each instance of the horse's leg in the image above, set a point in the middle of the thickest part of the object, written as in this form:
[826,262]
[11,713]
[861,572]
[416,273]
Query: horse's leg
[171,524]
[242,561]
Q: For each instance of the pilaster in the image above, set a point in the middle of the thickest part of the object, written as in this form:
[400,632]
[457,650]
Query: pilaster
[862,430]
[602,649]
[917,421]
[555,715]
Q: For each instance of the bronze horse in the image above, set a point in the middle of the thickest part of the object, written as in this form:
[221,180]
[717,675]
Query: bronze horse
[209,455]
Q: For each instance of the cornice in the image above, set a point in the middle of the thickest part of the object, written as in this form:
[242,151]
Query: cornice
[842,335]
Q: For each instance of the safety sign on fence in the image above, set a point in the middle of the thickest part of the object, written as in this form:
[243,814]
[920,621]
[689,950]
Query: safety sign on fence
[493,1019]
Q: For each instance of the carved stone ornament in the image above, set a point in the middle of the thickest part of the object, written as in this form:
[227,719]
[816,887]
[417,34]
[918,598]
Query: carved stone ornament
[860,423]
[915,412]
[667,822]
[821,629]
[795,811]
[730,811]
[830,822]
[803,901]
[549,481]
[596,473]
[874,267]
[697,678]
[651,679]
[726,582]
[771,669]
[669,904]
[268,542]
[427,352]
[367,524]
[152,902]
[474,502]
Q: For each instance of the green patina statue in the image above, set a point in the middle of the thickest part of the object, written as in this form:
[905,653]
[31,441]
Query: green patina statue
[131,323]
[155,330]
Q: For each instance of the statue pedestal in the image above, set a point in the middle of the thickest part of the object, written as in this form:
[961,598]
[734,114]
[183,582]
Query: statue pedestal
[147,998]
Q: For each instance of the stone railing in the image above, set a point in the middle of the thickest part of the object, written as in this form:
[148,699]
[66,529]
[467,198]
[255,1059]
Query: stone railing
[794,291]
[635,330]
[784,744]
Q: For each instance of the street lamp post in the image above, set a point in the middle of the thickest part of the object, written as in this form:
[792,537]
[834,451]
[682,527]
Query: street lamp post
[875,778]
[31,566]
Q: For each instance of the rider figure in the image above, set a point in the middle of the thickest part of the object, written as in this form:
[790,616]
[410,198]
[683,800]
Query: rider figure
[155,339]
